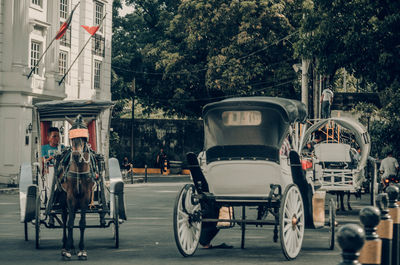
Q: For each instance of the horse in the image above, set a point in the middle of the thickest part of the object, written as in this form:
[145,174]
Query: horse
[340,199]
[76,173]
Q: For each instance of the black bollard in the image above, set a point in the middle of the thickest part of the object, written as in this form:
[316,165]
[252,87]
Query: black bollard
[371,251]
[398,196]
[385,229]
[145,173]
[394,212]
[350,238]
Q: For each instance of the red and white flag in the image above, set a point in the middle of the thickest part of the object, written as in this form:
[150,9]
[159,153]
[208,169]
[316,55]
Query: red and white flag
[91,30]
[65,25]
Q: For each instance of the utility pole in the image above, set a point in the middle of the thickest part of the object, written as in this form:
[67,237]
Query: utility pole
[315,94]
[304,81]
[133,88]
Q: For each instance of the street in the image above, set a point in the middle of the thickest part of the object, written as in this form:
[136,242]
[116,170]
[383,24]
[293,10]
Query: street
[147,236]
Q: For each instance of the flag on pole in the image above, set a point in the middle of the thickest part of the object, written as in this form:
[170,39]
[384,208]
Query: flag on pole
[60,33]
[65,25]
[91,30]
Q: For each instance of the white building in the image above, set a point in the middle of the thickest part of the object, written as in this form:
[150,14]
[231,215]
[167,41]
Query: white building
[26,29]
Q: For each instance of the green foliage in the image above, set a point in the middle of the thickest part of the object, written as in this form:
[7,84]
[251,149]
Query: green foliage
[184,54]
[362,36]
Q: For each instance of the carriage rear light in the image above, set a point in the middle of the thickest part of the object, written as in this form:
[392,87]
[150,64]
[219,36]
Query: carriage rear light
[306,164]
[387,180]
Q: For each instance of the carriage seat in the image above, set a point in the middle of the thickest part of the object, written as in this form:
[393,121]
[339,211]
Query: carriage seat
[240,152]
[333,155]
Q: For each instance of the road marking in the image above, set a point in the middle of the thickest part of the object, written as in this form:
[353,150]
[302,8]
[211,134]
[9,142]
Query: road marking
[166,191]
[148,218]
[8,203]
[170,184]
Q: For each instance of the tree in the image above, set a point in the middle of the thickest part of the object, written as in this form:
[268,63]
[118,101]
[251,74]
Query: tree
[362,36]
[184,54]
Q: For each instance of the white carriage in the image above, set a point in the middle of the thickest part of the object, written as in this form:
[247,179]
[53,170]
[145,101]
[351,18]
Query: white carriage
[335,163]
[249,159]
[37,184]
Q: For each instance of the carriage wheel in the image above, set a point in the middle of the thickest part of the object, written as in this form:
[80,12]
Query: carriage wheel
[332,220]
[116,222]
[26,230]
[37,222]
[291,222]
[187,223]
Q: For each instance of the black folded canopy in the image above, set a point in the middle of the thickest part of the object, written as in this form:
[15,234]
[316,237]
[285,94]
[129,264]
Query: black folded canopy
[59,109]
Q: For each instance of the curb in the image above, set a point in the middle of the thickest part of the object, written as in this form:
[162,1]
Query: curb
[9,190]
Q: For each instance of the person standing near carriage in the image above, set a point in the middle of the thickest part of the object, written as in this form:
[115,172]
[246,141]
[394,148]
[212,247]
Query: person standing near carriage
[326,102]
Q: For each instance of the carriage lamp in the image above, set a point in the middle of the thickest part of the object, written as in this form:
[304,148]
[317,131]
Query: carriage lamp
[62,130]
[29,128]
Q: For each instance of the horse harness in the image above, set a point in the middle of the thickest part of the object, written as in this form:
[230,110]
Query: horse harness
[66,160]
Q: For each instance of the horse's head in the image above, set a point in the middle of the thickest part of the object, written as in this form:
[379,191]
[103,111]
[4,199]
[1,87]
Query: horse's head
[79,136]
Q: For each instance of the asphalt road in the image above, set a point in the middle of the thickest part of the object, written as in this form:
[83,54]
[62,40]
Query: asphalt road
[147,236]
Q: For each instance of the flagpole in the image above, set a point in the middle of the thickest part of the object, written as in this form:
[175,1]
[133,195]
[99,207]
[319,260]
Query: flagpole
[84,46]
[41,57]
[48,47]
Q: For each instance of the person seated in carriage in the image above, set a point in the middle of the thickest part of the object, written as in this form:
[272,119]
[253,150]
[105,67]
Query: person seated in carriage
[49,150]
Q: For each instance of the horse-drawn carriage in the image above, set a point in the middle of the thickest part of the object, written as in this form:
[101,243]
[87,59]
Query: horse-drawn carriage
[79,171]
[249,159]
[339,157]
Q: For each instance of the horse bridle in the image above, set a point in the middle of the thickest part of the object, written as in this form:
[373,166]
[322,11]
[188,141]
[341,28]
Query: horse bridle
[81,153]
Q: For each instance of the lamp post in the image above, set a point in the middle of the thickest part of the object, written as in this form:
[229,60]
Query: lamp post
[132,89]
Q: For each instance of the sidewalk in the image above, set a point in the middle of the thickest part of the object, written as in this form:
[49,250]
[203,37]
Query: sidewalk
[158,178]
[139,178]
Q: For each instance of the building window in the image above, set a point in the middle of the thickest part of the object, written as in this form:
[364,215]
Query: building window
[37,2]
[35,55]
[98,43]
[98,14]
[66,38]
[64,9]
[97,74]
[63,64]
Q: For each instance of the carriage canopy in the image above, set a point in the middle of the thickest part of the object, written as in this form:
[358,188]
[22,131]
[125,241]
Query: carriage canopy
[59,109]
[359,131]
[252,127]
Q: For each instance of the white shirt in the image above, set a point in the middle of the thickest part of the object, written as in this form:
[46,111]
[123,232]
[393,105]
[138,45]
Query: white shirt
[327,94]
[389,166]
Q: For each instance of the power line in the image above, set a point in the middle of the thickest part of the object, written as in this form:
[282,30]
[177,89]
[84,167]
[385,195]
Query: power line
[216,98]
[213,67]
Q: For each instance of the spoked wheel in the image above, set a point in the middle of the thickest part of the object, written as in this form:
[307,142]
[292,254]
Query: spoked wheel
[26,230]
[116,221]
[291,222]
[37,222]
[187,223]
[331,223]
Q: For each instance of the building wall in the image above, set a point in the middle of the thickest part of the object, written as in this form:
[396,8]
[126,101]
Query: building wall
[21,22]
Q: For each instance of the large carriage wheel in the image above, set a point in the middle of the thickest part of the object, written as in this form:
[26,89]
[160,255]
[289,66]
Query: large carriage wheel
[116,221]
[331,223]
[37,221]
[291,222]
[187,223]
